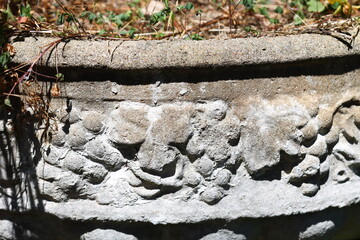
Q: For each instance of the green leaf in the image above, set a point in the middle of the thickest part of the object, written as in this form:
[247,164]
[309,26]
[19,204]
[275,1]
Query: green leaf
[298,20]
[25,11]
[264,12]
[61,19]
[166,2]
[189,6]
[315,6]
[9,14]
[7,102]
[60,77]
[4,60]
[248,29]
[274,20]
[85,14]
[249,4]
[102,32]
[335,5]
[279,10]
[196,37]
[160,16]
[70,18]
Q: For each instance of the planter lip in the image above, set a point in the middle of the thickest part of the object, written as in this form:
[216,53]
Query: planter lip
[132,55]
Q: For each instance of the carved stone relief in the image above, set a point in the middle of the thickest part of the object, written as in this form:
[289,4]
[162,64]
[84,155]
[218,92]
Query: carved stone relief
[193,151]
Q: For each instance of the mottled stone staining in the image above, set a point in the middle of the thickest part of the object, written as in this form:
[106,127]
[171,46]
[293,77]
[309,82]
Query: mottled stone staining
[128,124]
[270,130]
[197,148]
[171,123]
[204,132]
[214,149]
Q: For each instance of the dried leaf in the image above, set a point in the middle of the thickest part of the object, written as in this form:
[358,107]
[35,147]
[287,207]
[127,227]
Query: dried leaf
[55,90]
[9,48]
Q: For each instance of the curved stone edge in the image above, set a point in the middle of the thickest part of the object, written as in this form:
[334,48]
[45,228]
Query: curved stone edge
[263,204]
[129,55]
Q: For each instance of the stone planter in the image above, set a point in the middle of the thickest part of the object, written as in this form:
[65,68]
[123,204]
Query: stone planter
[233,139]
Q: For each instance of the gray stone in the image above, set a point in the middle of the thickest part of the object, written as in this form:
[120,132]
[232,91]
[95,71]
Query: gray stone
[309,189]
[77,136]
[94,173]
[216,140]
[309,167]
[68,181]
[223,177]
[310,130]
[129,124]
[58,138]
[6,230]
[92,121]
[320,230]
[54,155]
[99,150]
[51,191]
[192,178]
[340,174]
[48,172]
[212,195]
[270,130]
[319,148]
[200,54]
[204,165]
[224,234]
[156,157]
[74,162]
[174,117]
[106,234]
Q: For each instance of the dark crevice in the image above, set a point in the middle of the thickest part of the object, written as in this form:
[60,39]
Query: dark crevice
[168,170]
[286,164]
[234,142]
[129,152]
[309,142]
[313,67]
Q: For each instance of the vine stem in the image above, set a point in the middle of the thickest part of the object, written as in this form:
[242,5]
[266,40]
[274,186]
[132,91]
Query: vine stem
[28,72]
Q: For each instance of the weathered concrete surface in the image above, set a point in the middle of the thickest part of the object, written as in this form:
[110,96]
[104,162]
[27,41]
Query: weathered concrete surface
[215,140]
[127,55]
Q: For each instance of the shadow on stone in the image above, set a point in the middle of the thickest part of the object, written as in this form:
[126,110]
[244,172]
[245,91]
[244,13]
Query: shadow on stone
[19,154]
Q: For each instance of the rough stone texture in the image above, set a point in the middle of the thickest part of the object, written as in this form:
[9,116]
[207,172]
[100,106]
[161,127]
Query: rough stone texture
[125,55]
[238,147]
[106,234]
